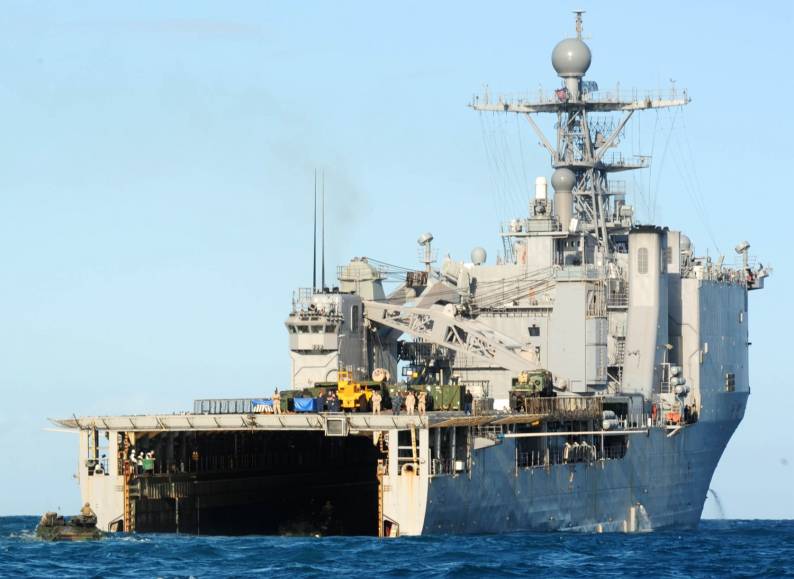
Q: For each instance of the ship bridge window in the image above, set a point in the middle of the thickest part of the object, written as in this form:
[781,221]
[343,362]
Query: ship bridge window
[292,329]
[330,329]
[534,331]
[316,329]
[303,329]
[642,260]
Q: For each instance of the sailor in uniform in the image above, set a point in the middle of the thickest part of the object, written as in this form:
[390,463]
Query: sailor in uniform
[422,402]
[276,402]
[410,402]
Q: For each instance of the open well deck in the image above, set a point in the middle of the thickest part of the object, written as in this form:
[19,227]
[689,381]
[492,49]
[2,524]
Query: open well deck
[328,473]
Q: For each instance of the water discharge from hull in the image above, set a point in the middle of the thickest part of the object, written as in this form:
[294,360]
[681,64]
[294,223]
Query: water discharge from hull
[717,502]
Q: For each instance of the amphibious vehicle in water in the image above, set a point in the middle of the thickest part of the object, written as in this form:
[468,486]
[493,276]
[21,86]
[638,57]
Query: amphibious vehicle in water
[590,378]
[53,527]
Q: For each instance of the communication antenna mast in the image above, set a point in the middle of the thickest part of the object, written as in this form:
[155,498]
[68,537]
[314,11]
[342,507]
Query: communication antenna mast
[424,242]
[584,205]
[314,244]
[322,259]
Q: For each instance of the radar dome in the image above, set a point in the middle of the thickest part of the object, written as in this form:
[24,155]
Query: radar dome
[425,238]
[571,58]
[563,180]
[478,256]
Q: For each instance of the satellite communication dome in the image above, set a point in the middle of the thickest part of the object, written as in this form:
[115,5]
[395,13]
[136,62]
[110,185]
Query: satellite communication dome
[563,180]
[478,256]
[571,58]
[425,238]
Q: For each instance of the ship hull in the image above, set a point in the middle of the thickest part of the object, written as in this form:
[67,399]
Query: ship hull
[661,483]
[397,475]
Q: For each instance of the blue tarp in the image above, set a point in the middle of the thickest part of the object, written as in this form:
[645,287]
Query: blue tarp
[262,402]
[305,404]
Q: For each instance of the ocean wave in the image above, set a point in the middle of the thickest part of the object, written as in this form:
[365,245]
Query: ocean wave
[717,548]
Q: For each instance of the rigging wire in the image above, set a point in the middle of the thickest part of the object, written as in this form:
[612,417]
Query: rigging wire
[688,175]
[698,188]
[651,199]
[660,173]
[517,188]
[499,198]
[508,174]
[638,191]
[500,145]
[521,150]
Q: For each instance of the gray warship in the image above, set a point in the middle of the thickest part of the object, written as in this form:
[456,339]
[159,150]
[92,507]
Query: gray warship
[589,379]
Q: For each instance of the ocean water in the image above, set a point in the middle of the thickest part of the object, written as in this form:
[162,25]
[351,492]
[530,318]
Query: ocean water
[716,549]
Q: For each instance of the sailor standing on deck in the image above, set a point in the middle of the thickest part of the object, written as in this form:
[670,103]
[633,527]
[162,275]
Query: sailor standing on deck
[410,402]
[396,403]
[276,402]
[331,401]
[376,400]
[422,402]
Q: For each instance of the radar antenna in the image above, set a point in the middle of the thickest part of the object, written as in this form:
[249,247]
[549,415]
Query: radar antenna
[578,23]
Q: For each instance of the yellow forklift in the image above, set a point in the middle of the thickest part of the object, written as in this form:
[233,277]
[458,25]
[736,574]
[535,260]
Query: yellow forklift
[354,395]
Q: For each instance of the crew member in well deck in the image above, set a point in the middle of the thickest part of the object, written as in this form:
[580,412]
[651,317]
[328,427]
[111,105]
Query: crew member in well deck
[376,399]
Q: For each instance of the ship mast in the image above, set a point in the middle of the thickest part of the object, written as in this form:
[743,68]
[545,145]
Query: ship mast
[579,156]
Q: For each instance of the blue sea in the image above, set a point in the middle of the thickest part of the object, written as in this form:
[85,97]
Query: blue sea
[716,549]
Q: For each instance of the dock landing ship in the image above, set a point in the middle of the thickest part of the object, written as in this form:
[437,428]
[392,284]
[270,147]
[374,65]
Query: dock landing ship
[588,379]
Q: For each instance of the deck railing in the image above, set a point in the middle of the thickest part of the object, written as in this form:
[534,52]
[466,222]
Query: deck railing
[564,407]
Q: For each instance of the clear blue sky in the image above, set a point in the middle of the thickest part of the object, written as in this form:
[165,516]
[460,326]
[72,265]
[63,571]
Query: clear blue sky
[156,172]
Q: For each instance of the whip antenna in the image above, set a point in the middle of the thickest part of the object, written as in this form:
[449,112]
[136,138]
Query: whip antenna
[314,245]
[322,259]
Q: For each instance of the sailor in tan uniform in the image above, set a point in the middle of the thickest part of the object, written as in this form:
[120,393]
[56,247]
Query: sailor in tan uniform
[410,402]
[422,402]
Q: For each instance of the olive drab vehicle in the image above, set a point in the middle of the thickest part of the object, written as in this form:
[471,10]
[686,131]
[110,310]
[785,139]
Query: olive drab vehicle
[53,527]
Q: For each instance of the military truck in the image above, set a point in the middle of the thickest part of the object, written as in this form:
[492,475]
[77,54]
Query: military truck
[535,384]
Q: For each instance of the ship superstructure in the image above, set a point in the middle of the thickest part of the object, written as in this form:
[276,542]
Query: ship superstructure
[589,379]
